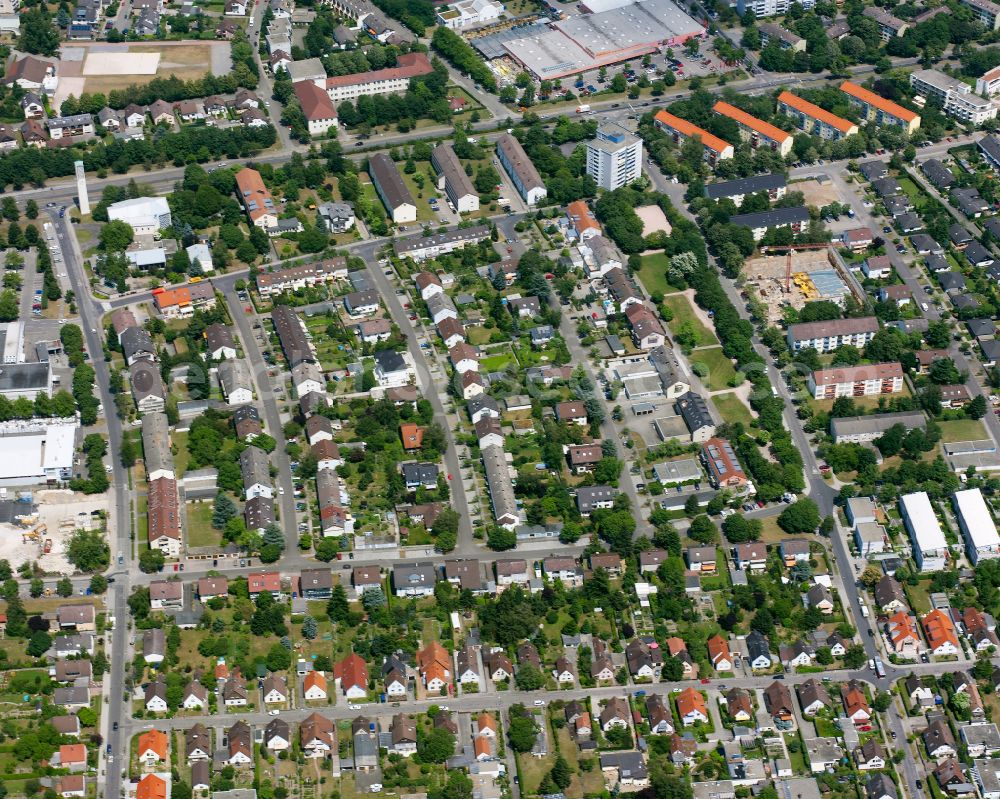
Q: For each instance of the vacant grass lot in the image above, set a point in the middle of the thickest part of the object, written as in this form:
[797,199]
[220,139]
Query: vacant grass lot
[720,368]
[179,443]
[653,273]
[681,308]
[732,408]
[771,533]
[533,770]
[496,362]
[586,783]
[911,190]
[420,194]
[962,430]
[478,335]
[919,596]
[200,532]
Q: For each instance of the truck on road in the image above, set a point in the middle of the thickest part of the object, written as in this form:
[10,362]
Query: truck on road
[583,109]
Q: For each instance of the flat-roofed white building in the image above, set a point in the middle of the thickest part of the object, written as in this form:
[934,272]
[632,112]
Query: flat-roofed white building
[36,452]
[869,537]
[466,13]
[676,472]
[957,97]
[926,535]
[978,528]
[146,215]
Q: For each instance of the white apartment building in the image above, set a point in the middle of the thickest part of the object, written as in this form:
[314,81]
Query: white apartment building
[978,527]
[956,97]
[614,158]
[520,169]
[391,80]
[769,8]
[986,12]
[454,181]
[827,336]
[989,84]
[856,381]
[926,535]
[466,13]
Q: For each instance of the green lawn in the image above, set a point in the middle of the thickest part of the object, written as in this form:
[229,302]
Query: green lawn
[181,455]
[912,190]
[720,368]
[683,313]
[653,273]
[420,195]
[495,362]
[919,596]
[732,408]
[533,771]
[771,533]
[962,430]
[478,335]
[200,532]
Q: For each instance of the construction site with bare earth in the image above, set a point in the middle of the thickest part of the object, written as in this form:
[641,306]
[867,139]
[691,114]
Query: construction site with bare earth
[37,526]
[792,279]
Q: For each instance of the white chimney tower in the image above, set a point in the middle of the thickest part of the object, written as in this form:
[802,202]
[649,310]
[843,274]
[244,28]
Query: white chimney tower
[81,189]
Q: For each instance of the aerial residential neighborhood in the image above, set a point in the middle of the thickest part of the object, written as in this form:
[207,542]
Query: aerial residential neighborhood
[485,400]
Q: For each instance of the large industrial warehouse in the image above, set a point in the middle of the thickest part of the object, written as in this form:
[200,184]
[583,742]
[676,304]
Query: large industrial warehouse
[616,31]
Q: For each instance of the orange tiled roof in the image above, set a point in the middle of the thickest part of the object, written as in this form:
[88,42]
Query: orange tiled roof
[814,111]
[718,649]
[154,741]
[434,653]
[759,125]
[878,102]
[581,216]
[686,128]
[72,753]
[151,787]
[169,298]
[314,679]
[352,671]
[689,701]
[487,722]
[939,629]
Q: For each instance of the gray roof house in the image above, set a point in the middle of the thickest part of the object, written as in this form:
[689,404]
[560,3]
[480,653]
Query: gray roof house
[156,454]
[591,498]
[417,579]
[136,344]
[695,412]
[952,281]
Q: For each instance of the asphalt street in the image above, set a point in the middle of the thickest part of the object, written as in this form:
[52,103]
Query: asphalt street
[119,530]
[269,393]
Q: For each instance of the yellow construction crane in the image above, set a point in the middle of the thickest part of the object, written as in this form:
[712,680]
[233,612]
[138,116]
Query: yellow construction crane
[791,249]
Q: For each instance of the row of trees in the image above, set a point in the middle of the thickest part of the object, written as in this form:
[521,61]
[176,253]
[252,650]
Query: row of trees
[198,143]
[771,476]
[463,57]
[83,374]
